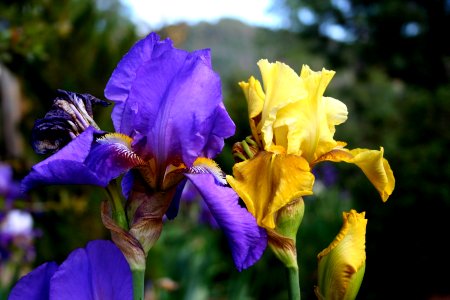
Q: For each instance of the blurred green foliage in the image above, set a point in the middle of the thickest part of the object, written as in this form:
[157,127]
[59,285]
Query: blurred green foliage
[392,73]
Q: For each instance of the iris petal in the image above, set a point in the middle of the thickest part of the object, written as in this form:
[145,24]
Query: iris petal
[371,162]
[171,96]
[111,156]
[95,163]
[280,179]
[99,271]
[61,166]
[219,127]
[283,87]
[35,285]
[247,241]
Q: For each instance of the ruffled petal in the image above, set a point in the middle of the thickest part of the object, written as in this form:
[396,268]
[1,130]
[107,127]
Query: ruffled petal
[371,162]
[122,79]
[171,96]
[291,111]
[35,285]
[99,271]
[282,87]
[61,166]
[247,241]
[313,131]
[269,181]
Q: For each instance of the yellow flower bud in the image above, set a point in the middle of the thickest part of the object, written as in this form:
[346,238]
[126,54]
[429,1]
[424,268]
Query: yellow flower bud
[342,264]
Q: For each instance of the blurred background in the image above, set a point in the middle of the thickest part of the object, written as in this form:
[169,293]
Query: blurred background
[392,60]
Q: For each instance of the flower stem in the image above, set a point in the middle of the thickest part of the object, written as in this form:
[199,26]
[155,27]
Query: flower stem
[118,213]
[138,283]
[294,283]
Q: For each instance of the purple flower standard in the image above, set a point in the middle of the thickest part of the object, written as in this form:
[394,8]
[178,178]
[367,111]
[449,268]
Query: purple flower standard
[98,271]
[170,122]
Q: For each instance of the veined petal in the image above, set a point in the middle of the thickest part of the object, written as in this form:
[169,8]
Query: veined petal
[203,165]
[270,181]
[247,241]
[61,166]
[172,97]
[342,264]
[35,285]
[94,162]
[371,162]
[111,156]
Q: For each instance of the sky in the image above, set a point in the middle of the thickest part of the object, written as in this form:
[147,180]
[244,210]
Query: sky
[159,13]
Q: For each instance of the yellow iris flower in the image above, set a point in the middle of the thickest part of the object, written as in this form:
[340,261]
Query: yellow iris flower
[342,264]
[293,124]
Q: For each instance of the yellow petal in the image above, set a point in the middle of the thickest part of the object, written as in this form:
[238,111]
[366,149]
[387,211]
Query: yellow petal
[282,87]
[268,182]
[291,111]
[340,264]
[318,116]
[255,101]
[371,162]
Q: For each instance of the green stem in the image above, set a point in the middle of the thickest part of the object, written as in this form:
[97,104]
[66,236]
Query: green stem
[138,284]
[118,213]
[294,283]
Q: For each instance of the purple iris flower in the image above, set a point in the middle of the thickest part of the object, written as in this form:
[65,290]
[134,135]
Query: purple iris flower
[98,271]
[170,121]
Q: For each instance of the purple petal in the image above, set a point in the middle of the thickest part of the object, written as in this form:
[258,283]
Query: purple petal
[61,166]
[99,271]
[222,127]
[174,206]
[173,97]
[127,183]
[35,285]
[123,83]
[95,163]
[110,157]
[247,241]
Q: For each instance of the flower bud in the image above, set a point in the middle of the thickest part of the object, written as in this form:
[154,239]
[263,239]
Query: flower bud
[342,264]
[282,240]
[70,114]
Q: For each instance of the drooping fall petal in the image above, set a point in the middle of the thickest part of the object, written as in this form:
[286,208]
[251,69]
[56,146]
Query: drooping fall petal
[93,161]
[269,181]
[371,162]
[61,167]
[247,241]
